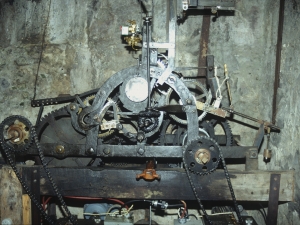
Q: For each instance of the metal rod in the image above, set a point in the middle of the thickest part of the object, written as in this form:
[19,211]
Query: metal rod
[278,60]
[150,216]
[251,118]
[147,21]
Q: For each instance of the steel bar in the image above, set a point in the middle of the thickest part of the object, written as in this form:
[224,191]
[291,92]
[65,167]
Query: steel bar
[278,60]
[122,183]
[273,199]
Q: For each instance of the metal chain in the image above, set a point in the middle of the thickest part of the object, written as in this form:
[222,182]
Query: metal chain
[194,188]
[24,185]
[54,186]
[229,185]
[231,188]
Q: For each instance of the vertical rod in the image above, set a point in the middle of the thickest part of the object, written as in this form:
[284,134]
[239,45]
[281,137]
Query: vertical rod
[150,216]
[147,21]
[278,60]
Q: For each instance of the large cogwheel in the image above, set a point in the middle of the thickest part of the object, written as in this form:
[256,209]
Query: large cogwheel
[202,155]
[199,92]
[15,133]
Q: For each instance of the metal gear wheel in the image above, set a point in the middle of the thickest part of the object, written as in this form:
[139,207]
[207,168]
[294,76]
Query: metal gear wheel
[202,155]
[15,133]
[200,93]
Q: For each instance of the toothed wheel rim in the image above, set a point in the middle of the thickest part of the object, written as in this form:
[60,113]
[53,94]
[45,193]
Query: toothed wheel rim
[206,94]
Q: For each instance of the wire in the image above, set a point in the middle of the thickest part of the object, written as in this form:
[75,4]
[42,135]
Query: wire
[95,198]
[41,54]
[44,203]
[193,216]
[132,201]
[263,212]
[184,209]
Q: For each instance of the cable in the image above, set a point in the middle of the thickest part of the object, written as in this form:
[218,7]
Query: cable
[132,201]
[40,58]
[193,216]
[95,198]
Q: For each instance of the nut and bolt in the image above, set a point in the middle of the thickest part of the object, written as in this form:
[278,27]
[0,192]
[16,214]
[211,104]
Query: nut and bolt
[119,126]
[106,151]
[73,107]
[140,136]
[59,149]
[90,151]
[141,151]
[210,68]
[189,101]
[249,221]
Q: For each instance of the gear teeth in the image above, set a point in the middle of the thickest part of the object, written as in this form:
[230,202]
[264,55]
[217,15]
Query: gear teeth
[9,121]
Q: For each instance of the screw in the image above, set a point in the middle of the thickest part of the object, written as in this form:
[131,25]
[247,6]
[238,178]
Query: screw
[140,136]
[141,151]
[189,101]
[59,149]
[106,151]
[72,107]
[90,151]
[119,126]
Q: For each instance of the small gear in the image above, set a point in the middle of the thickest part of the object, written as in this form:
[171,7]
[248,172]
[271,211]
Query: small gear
[15,133]
[202,155]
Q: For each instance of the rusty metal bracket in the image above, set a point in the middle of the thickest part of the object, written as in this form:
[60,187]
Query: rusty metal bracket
[273,199]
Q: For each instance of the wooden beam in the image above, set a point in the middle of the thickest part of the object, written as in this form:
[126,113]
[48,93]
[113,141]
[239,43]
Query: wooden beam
[121,183]
[10,196]
[26,209]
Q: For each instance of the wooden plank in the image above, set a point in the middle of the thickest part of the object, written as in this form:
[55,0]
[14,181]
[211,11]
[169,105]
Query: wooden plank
[121,183]
[10,196]
[26,209]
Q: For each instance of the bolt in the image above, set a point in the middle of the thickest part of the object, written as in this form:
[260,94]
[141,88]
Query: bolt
[249,221]
[189,101]
[90,151]
[106,151]
[35,171]
[203,157]
[34,181]
[72,107]
[140,136]
[153,51]
[119,126]
[210,68]
[141,151]
[59,149]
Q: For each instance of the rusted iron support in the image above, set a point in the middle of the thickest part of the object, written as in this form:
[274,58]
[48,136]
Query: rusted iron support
[273,199]
[203,48]
[278,60]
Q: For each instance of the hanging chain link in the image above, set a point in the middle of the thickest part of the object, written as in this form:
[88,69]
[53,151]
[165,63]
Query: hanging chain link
[189,175]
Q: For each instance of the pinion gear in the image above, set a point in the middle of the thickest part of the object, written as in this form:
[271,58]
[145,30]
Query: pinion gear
[202,155]
[15,133]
